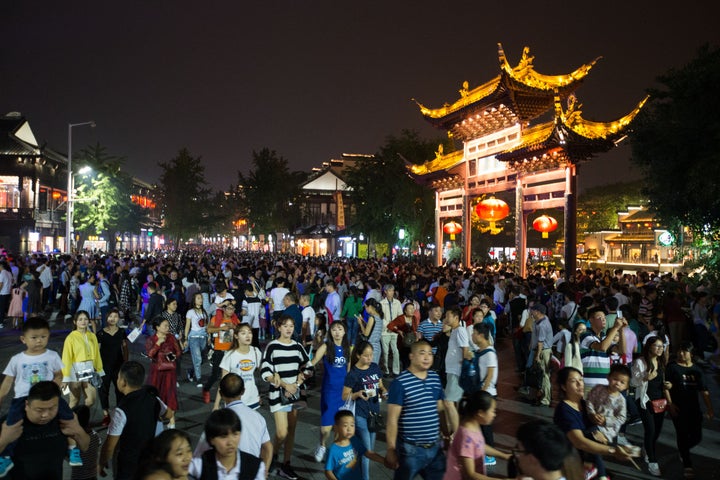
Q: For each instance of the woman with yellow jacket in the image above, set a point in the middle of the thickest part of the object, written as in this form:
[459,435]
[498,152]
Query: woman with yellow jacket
[81,361]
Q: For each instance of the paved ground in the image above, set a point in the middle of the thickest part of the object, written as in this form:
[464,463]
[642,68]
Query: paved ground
[511,413]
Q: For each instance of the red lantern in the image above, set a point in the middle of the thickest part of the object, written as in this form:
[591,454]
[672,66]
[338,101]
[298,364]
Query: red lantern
[452,228]
[545,225]
[492,210]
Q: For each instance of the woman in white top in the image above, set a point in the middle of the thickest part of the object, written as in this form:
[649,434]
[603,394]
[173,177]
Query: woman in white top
[196,338]
[243,359]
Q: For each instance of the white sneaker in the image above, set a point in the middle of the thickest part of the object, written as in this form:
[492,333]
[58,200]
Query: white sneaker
[199,385]
[654,469]
[623,441]
[320,453]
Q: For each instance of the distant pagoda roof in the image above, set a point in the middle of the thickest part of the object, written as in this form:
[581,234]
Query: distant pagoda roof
[569,138]
[442,162]
[517,94]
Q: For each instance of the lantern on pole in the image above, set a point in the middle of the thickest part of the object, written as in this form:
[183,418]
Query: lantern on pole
[452,228]
[492,210]
[545,224]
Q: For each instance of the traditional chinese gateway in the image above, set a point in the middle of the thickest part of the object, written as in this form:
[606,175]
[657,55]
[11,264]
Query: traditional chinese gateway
[506,148]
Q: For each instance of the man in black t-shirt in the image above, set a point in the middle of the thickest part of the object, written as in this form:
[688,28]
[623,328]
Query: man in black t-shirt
[41,436]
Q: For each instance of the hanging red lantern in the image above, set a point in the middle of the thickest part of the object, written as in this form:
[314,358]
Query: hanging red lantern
[452,228]
[545,224]
[492,210]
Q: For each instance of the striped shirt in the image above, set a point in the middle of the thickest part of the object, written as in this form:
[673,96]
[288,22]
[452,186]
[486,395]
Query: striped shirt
[287,360]
[419,421]
[428,330]
[596,363]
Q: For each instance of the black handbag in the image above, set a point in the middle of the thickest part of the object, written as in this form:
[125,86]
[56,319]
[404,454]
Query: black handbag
[286,399]
[375,422]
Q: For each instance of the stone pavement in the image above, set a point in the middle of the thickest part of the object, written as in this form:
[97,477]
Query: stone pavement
[512,412]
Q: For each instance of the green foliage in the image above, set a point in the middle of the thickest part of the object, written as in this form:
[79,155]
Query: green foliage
[183,196]
[598,206]
[675,143]
[103,196]
[269,193]
[387,198]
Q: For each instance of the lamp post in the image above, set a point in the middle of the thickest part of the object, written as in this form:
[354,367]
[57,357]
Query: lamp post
[70,182]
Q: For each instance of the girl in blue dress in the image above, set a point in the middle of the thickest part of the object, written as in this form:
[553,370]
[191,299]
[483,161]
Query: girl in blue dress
[335,355]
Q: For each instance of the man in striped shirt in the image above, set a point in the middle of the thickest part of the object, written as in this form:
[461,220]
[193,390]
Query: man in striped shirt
[413,421]
[594,346]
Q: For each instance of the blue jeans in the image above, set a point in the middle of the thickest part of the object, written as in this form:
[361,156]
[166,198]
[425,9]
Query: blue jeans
[377,351]
[368,440]
[197,343]
[429,463]
[352,326]
[104,310]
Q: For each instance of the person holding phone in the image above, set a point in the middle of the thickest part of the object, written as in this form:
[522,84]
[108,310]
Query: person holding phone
[164,351]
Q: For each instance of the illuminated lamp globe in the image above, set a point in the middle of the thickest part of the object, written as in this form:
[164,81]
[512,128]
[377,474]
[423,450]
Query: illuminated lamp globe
[452,228]
[492,210]
[545,225]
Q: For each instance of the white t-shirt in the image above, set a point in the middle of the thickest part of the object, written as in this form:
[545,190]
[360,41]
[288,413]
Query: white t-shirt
[31,369]
[218,300]
[244,364]
[485,361]
[194,318]
[253,309]
[308,316]
[454,355]
[569,311]
[277,295]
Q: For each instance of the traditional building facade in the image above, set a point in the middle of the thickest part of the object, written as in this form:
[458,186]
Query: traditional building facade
[33,190]
[506,149]
[641,243]
[33,197]
[326,210]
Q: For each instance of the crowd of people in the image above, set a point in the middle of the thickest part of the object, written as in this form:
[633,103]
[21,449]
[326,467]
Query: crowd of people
[623,348]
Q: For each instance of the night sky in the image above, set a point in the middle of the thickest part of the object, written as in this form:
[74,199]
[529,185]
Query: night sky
[312,79]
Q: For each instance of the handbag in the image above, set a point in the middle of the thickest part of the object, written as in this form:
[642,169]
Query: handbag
[408,339]
[659,405]
[375,422]
[84,371]
[166,362]
[287,399]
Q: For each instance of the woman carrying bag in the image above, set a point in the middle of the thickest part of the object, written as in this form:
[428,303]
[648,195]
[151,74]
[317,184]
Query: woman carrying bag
[82,364]
[164,351]
[652,394]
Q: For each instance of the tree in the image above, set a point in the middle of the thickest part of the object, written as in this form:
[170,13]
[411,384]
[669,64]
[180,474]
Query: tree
[674,141]
[269,193]
[598,206]
[103,204]
[386,197]
[183,196]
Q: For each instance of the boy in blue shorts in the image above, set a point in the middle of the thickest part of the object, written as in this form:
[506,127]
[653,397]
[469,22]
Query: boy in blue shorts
[343,460]
[25,369]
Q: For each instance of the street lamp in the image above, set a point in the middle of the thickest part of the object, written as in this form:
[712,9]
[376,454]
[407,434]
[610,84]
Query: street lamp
[70,182]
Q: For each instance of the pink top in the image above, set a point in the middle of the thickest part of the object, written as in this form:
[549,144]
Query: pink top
[466,443]
[630,345]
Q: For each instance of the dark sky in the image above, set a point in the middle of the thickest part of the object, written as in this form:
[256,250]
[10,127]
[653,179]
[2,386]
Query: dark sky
[312,79]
